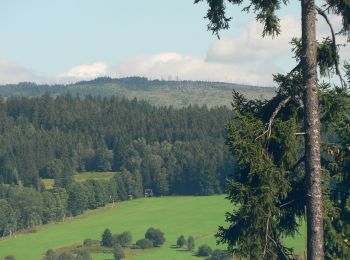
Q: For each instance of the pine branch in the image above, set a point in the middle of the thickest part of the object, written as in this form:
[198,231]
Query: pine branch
[334,45]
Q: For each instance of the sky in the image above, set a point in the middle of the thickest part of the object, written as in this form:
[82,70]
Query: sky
[63,41]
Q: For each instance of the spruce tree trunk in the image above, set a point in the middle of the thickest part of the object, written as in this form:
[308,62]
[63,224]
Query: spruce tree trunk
[312,138]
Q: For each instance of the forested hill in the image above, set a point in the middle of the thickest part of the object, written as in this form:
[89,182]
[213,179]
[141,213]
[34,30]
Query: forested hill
[172,151]
[157,92]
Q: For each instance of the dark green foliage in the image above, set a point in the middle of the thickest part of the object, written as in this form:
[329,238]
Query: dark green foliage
[190,243]
[204,250]
[162,149]
[124,239]
[7,218]
[269,185]
[156,236]
[181,241]
[118,252]
[144,243]
[9,257]
[83,255]
[107,238]
[50,255]
[78,195]
[53,168]
[218,254]
[65,256]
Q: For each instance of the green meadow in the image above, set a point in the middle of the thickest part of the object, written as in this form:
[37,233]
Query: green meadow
[83,176]
[175,216]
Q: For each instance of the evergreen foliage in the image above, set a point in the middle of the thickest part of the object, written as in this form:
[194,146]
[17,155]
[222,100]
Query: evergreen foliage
[118,252]
[190,243]
[156,236]
[144,243]
[266,139]
[181,241]
[107,238]
[204,250]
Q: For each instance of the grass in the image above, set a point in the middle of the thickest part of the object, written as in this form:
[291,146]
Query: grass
[93,176]
[197,216]
[83,176]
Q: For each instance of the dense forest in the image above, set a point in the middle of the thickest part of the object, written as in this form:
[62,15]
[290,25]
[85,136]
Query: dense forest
[171,151]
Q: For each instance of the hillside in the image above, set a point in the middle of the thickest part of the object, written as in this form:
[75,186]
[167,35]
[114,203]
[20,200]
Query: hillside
[157,92]
[196,216]
[173,215]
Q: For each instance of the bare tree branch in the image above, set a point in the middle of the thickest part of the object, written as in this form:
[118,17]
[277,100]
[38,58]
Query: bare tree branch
[281,105]
[266,236]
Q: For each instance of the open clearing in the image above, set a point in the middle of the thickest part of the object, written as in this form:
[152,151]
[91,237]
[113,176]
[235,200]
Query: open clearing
[196,216]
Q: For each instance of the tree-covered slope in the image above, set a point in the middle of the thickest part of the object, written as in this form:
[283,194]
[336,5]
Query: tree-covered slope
[157,92]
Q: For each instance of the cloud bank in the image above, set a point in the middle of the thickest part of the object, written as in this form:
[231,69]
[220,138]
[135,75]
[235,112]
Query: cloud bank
[245,59]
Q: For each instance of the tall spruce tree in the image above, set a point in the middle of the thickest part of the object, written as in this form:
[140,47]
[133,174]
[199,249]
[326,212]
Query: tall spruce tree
[266,177]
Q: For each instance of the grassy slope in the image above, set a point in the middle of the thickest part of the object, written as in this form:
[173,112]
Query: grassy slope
[197,216]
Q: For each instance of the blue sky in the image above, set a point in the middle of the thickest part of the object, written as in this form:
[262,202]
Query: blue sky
[68,40]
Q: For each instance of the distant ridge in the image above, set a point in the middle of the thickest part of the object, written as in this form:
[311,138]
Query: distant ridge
[158,92]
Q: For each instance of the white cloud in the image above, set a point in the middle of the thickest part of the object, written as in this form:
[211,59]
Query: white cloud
[195,68]
[250,46]
[13,73]
[85,71]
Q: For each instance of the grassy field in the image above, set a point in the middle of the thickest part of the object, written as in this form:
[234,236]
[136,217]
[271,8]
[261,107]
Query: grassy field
[197,216]
[80,177]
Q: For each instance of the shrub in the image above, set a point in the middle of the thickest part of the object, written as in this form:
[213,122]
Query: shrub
[65,256]
[144,243]
[190,243]
[181,241]
[204,250]
[9,257]
[156,236]
[124,239]
[220,255]
[50,255]
[118,252]
[106,238]
[88,242]
[83,255]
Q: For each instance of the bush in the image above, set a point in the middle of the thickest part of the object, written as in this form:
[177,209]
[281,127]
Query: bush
[83,255]
[156,236]
[106,238]
[50,255]
[9,257]
[190,243]
[124,239]
[144,243]
[65,256]
[118,252]
[181,241]
[220,255]
[204,250]
[88,242]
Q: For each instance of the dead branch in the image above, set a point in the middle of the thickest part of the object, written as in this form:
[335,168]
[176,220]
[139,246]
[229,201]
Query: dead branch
[334,45]
[281,105]
[266,236]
